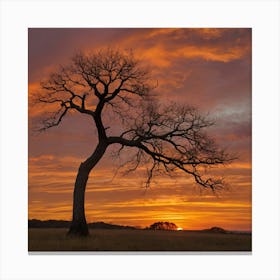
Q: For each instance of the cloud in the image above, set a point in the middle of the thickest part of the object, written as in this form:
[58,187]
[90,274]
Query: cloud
[163,46]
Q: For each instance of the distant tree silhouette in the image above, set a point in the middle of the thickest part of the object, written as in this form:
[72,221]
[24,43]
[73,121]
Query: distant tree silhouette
[164,137]
[163,226]
[216,230]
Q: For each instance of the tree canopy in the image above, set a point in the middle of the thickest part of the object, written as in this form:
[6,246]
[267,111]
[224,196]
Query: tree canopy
[167,136]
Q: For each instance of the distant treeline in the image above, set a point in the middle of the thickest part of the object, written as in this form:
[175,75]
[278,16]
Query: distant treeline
[65,224]
[101,225]
[34,223]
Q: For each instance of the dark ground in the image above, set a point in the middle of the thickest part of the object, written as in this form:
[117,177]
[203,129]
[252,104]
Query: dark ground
[55,239]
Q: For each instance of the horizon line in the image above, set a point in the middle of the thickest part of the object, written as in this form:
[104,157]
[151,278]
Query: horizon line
[143,227]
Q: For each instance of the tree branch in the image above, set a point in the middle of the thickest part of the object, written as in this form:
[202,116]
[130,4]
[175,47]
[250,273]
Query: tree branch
[169,137]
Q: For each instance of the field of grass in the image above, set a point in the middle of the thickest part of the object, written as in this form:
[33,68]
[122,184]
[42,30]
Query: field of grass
[137,240]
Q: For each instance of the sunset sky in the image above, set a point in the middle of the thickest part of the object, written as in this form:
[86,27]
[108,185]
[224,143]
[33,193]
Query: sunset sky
[207,68]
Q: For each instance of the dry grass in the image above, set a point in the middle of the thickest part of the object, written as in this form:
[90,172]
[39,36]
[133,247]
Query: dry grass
[137,240]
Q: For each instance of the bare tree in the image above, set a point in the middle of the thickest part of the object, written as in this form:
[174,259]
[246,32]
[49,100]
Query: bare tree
[165,138]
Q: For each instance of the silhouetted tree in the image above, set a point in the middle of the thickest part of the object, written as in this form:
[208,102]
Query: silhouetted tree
[165,137]
[163,226]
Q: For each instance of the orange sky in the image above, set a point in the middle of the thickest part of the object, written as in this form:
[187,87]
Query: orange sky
[208,68]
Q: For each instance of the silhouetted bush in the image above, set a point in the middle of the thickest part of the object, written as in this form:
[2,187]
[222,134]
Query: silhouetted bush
[216,230]
[163,226]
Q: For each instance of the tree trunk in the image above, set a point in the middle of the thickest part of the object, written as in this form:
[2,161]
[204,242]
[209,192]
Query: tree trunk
[79,225]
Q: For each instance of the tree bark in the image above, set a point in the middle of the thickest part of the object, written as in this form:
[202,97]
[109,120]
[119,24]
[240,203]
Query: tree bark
[79,225]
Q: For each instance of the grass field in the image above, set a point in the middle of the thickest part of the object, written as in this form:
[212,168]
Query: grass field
[137,240]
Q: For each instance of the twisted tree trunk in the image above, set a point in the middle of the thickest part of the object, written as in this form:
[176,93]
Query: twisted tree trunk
[79,225]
